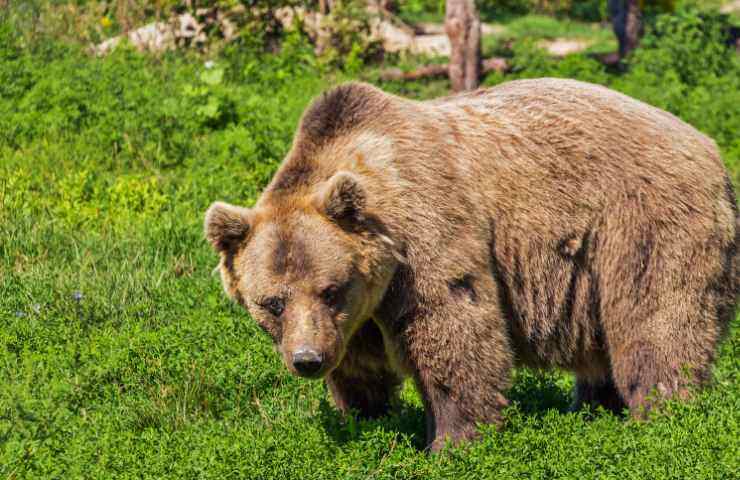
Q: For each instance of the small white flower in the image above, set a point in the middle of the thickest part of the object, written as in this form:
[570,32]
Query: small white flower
[209,64]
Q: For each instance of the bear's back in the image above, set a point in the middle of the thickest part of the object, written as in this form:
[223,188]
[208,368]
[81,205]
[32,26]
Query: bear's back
[557,143]
[591,119]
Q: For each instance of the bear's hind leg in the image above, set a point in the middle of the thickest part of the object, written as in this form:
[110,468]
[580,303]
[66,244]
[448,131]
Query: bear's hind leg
[646,374]
[663,302]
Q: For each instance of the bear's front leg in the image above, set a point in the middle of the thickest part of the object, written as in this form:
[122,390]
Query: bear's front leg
[364,382]
[453,414]
[462,359]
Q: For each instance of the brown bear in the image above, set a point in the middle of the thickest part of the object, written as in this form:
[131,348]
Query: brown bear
[546,223]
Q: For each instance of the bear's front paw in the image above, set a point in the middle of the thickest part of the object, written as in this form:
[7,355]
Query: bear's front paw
[453,438]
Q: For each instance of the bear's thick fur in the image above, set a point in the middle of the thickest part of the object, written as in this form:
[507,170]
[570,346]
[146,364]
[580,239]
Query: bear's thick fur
[548,223]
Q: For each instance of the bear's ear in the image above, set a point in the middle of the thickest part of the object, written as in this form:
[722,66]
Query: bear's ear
[227,225]
[342,199]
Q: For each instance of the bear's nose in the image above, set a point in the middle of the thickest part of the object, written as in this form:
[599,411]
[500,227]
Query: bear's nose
[307,362]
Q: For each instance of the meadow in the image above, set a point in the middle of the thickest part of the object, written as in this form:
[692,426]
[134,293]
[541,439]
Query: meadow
[121,357]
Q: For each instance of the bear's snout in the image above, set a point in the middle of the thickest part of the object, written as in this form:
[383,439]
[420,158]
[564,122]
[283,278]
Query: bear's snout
[307,362]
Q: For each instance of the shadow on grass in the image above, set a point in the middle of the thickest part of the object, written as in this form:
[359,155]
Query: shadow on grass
[537,392]
[533,393]
[404,419]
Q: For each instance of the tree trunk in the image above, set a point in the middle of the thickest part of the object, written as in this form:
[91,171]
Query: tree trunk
[627,23]
[462,26]
[388,6]
[326,6]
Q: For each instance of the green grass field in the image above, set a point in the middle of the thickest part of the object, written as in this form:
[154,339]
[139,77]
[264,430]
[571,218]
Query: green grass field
[120,355]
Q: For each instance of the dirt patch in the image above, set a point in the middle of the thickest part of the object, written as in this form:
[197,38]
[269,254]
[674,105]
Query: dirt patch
[561,47]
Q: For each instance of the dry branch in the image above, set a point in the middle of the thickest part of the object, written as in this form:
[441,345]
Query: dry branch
[494,64]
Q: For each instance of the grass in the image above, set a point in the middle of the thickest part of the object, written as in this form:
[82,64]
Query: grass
[119,354]
[600,38]
[597,38]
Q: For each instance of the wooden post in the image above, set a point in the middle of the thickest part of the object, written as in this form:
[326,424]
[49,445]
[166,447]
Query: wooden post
[462,26]
[627,24]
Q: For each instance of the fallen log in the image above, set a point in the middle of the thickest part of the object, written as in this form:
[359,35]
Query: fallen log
[494,64]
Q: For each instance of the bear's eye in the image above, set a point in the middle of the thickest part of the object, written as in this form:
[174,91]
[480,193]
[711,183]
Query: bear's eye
[274,305]
[332,296]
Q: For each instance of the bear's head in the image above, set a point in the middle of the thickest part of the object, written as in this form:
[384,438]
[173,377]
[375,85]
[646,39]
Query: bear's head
[310,272]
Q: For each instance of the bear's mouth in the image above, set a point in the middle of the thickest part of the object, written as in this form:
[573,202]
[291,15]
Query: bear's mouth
[312,376]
